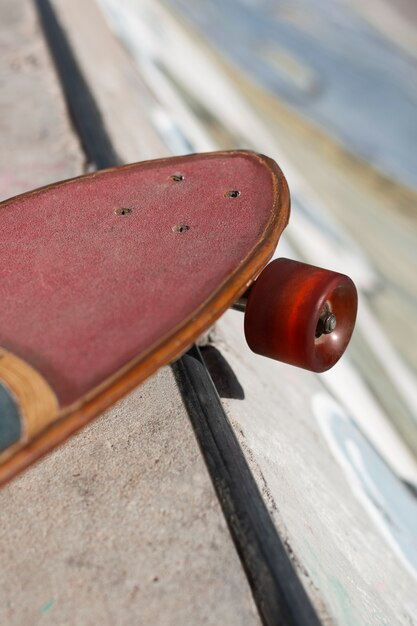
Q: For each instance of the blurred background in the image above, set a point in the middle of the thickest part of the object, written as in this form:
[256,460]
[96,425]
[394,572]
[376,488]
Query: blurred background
[329,90]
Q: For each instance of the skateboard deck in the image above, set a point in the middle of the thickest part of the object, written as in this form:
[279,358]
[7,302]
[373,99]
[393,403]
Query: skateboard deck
[109,276]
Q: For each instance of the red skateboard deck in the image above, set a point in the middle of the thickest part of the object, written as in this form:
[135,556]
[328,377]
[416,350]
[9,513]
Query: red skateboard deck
[107,277]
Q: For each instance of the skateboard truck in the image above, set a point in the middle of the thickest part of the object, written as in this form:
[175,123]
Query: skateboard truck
[299,314]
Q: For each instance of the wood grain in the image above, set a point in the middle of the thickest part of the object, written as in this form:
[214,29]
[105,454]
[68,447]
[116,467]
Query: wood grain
[38,405]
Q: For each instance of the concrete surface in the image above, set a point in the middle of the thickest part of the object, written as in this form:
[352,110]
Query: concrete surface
[349,526]
[37,145]
[121,525]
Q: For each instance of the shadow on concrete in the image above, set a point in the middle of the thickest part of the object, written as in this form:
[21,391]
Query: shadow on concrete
[224,378]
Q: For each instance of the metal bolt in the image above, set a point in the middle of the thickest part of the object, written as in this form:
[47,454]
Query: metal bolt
[326,322]
[329,323]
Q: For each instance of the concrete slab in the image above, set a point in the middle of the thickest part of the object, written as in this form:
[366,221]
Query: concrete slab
[121,526]
[347,520]
[37,144]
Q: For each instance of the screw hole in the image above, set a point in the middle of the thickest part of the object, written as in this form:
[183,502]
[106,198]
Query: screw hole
[177,178]
[233,193]
[124,211]
[180,228]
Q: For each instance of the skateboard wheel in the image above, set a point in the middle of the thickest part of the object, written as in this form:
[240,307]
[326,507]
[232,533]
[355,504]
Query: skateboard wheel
[300,314]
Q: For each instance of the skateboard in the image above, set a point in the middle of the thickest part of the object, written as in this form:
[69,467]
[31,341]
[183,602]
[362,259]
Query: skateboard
[107,277]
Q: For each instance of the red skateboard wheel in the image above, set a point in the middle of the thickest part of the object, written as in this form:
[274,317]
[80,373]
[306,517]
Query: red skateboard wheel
[300,314]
